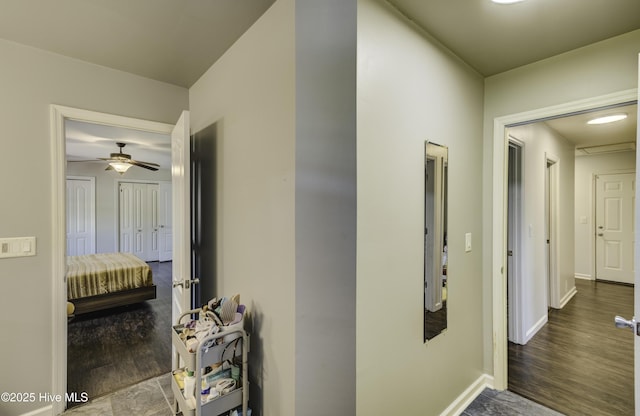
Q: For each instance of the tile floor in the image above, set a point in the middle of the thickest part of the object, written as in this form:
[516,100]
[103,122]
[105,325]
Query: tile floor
[154,398]
[505,403]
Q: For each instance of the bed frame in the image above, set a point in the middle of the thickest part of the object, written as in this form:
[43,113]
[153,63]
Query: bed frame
[112,300]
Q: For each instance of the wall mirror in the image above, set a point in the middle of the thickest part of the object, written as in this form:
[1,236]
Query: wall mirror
[435,239]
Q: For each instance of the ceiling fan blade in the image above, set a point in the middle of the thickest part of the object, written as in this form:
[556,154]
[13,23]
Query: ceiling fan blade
[145,163]
[85,160]
[136,163]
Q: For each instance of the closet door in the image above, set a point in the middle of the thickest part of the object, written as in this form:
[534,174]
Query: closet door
[165,234]
[126,214]
[139,220]
[151,223]
[81,216]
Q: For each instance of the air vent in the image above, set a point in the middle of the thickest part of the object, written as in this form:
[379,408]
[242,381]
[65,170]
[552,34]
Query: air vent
[607,148]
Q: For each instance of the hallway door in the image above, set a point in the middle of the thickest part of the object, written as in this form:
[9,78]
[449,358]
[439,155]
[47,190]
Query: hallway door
[615,200]
[181,206]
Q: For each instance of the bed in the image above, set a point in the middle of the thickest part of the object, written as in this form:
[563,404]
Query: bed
[107,280]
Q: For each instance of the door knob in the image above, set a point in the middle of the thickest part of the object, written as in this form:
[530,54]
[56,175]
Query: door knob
[186,283]
[625,323]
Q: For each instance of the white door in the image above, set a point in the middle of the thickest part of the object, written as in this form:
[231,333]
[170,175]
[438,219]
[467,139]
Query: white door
[138,215]
[181,179]
[139,219]
[81,216]
[166,222]
[126,221]
[615,200]
[152,222]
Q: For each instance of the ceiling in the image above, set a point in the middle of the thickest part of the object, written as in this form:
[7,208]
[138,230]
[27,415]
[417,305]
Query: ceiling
[176,41]
[88,141]
[173,41]
[576,130]
[494,38]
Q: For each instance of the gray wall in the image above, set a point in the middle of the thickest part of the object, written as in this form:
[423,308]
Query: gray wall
[325,203]
[411,89]
[249,95]
[31,80]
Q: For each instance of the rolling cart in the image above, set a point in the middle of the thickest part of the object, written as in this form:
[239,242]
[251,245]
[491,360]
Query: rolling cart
[230,344]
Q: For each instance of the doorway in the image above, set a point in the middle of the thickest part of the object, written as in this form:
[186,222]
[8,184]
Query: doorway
[59,116]
[500,209]
[515,203]
[551,231]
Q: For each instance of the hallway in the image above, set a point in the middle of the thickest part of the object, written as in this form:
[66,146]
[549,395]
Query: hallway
[579,363]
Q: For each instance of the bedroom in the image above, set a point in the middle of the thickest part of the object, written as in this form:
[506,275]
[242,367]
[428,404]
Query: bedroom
[123,218]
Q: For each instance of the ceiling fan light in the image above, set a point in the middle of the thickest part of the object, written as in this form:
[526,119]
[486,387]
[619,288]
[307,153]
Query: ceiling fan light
[120,167]
[608,119]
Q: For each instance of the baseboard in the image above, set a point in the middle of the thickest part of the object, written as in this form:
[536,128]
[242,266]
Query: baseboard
[469,395]
[566,298]
[583,276]
[535,328]
[47,410]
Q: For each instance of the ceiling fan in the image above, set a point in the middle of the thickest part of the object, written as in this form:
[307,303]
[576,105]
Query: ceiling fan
[121,162]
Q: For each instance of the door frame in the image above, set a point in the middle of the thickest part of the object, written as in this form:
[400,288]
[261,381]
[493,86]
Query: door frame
[498,230]
[58,114]
[515,295]
[552,169]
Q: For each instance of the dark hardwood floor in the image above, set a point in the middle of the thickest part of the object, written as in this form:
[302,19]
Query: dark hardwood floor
[116,348]
[579,363]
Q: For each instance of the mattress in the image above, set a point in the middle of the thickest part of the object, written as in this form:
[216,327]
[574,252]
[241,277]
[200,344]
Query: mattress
[101,274]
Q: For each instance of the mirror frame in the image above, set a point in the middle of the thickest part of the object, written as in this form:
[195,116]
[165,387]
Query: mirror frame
[436,164]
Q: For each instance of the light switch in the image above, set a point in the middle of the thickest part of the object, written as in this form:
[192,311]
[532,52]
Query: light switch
[17,247]
[467,242]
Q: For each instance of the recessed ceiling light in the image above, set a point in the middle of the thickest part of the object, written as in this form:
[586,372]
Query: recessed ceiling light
[607,119]
[506,1]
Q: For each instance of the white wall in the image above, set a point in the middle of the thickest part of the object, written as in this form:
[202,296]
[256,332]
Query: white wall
[106,197]
[410,90]
[31,80]
[602,68]
[250,95]
[540,143]
[586,169]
